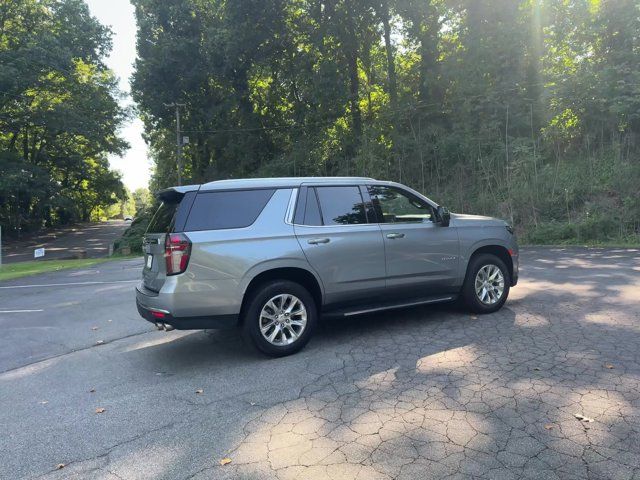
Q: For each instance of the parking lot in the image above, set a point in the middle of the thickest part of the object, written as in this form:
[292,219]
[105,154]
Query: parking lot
[549,387]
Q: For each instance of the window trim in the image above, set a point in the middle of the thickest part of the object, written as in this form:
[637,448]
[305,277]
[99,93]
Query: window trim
[290,214]
[367,200]
[301,203]
[315,194]
[377,208]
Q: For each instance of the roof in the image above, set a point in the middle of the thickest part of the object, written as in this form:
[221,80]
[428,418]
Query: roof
[172,194]
[281,182]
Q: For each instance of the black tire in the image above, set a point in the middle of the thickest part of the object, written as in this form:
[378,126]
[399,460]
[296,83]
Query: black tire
[255,303]
[469,296]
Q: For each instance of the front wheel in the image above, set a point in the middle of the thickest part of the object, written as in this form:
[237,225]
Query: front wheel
[280,318]
[486,286]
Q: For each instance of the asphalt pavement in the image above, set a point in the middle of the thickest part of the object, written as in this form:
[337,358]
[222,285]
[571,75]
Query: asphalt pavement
[91,240]
[549,387]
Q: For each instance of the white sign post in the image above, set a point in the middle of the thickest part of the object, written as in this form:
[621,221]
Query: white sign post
[38,252]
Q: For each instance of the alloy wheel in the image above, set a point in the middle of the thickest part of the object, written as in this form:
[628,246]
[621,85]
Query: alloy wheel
[489,284]
[283,319]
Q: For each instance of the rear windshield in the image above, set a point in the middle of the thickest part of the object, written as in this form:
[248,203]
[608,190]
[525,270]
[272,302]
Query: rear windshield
[230,209]
[162,221]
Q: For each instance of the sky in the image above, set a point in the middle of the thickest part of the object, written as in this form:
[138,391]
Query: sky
[119,15]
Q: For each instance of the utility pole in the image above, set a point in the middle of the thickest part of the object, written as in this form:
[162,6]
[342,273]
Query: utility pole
[178,139]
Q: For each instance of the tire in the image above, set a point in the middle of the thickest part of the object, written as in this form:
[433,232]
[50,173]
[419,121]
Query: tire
[266,302]
[491,300]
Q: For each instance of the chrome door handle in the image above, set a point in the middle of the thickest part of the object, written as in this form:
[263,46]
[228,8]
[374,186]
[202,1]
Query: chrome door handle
[395,235]
[316,241]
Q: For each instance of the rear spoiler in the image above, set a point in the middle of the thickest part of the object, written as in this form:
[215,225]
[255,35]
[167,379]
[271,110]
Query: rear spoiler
[175,194]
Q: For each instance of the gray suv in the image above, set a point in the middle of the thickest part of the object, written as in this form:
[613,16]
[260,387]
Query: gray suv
[271,255]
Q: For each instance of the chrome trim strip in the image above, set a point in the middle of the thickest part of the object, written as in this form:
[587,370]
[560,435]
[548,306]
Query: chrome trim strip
[288,216]
[401,305]
[340,225]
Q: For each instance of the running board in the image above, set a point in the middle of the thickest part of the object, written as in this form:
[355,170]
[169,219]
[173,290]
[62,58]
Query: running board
[398,305]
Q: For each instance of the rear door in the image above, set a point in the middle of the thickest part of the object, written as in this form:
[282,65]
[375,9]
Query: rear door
[421,256]
[169,217]
[332,226]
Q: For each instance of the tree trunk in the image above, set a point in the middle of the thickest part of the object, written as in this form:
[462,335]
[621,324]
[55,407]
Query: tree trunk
[354,87]
[429,71]
[535,48]
[391,64]
[12,142]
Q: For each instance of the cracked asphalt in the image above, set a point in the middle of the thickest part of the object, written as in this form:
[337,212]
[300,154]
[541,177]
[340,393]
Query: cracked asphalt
[416,394]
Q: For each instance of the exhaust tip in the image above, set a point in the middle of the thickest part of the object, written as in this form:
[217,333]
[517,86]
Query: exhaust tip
[159,326]
[168,327]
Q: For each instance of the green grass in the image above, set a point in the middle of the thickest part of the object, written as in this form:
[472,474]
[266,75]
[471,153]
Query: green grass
[621,243]
[24,269]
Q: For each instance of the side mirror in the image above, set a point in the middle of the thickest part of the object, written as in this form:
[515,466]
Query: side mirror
[443,217]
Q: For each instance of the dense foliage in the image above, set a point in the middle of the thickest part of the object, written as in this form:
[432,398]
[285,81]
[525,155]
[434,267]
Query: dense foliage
[141,206]
[526,109]
[59,115]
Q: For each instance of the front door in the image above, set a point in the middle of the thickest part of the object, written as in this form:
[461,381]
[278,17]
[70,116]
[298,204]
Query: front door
[421,256]
[339,243]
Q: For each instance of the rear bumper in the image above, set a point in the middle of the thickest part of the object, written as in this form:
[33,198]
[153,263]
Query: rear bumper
[149,309]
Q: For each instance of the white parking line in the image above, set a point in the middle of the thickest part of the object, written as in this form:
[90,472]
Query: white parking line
[20,311]
[68,284]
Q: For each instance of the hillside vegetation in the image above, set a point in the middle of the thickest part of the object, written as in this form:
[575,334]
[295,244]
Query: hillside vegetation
[528,110]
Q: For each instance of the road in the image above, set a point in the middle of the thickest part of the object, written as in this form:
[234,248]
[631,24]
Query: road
[424,393]
[67,242]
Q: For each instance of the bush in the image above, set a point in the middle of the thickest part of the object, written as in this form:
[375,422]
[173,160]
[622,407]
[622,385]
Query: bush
[590,230]
[132,236]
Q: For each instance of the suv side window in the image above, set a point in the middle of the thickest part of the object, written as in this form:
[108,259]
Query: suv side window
[396,206]
[341,205]
[227,209]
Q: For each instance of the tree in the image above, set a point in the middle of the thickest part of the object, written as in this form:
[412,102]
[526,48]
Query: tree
[59,114]
[142,199]
[503,107]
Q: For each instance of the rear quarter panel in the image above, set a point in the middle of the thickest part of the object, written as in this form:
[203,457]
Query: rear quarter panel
[223,262]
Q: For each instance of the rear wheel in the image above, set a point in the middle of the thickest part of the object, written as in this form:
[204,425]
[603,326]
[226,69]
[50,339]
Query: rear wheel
[486,286]
[279,318]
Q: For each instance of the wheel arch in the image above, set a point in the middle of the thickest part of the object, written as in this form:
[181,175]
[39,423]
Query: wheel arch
[298,274]
[500,251]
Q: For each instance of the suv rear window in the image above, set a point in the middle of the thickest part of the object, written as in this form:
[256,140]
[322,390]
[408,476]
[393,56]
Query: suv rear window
[228,209]
[162,221]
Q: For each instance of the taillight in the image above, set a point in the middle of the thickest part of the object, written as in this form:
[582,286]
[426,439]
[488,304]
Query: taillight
[177,250]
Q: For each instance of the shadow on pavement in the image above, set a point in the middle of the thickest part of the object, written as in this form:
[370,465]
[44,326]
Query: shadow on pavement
[430,392]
